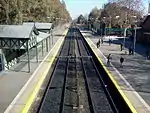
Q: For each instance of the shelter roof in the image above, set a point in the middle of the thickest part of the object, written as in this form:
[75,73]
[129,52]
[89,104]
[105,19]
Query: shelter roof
[39,25]
[15,31]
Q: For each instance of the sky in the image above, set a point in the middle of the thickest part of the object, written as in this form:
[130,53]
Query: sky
[77,7]
[146,5]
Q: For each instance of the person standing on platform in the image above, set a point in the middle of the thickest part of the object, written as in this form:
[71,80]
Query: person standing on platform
[108,59]
[109,41]
[98,43]
[102,41]
[121,46]
[121,61]
[130,50]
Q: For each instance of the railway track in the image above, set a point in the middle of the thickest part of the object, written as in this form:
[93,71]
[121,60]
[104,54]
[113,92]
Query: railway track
[76,85]
[95,86]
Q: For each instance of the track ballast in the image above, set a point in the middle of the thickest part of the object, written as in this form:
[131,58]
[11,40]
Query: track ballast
[75,85]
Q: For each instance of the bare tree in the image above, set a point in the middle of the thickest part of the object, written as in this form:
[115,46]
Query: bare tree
[16,11]
[86,16]
[131,4]
[19,6]
[6,3]
[112,1]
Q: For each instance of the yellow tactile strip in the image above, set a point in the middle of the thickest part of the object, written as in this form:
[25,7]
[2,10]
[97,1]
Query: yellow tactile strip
[40,82]
[111,77]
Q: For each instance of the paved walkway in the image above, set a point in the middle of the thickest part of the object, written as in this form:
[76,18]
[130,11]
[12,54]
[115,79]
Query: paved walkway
[12,81]
[136,69]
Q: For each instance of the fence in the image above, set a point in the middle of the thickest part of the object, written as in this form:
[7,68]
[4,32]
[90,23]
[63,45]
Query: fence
[114,31]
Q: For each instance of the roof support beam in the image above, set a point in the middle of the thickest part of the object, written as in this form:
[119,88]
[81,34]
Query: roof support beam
[27,49]
[12,43]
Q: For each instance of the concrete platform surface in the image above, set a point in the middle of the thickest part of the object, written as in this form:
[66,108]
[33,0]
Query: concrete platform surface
[134,78]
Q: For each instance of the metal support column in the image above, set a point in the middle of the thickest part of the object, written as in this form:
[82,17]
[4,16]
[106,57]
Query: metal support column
[36,50]
[50,45]
[52,37]
[46,45]
[49,42]
[134,39]
[125,33]
[27,49]
[7,65]
[42,48]
[36,53]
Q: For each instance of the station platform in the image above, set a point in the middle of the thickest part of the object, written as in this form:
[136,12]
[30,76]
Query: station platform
[18,88]
[132,80]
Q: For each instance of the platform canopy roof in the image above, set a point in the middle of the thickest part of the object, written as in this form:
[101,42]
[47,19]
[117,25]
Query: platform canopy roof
[15,31]
[42,36]
[16,36]
[42,26]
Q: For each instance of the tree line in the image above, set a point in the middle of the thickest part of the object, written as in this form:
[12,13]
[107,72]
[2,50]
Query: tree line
[18,11]
[117,13]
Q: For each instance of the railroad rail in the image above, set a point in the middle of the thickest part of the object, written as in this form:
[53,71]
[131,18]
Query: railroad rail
[76,84]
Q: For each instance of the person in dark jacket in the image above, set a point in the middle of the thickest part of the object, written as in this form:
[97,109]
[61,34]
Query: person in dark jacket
[108,59]
[121,46]
[110,41]
[121,61]
[98,43]
[130,50]
[102,41]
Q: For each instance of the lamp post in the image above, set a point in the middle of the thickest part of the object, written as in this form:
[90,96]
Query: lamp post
[135,29]
[134,37]
[105,26]
[95,25]
[124,37]
[92,24]
[116,17]
[135,18]
[125,32]
[110,21]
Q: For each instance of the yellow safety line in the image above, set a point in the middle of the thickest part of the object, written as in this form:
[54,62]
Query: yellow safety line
[38,86]
[113,80]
